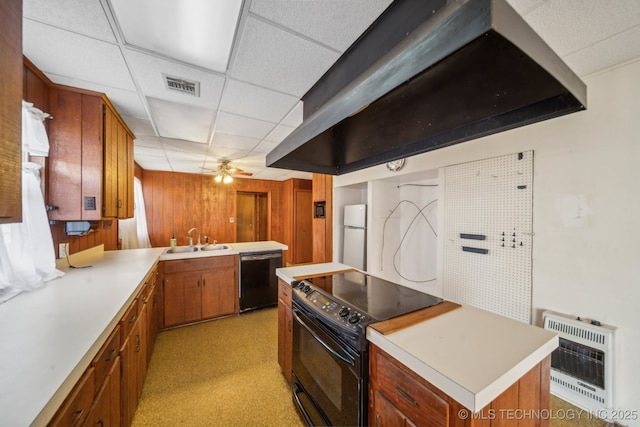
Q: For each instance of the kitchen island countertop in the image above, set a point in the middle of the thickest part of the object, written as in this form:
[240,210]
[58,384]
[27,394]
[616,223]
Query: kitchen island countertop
[470,354]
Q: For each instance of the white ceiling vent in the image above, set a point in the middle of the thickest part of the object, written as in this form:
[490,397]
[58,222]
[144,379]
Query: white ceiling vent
[182,85]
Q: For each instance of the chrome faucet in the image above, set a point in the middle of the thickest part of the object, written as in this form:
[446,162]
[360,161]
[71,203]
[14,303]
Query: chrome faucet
[191,239]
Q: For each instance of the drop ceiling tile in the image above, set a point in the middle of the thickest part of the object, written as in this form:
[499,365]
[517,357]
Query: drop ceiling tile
[252,101]
[147,141]
[279,133]
[148,70]
[185,166]
[301,175]
[607,53]
[181,121]
[85,17]
[273,174]
[67,54]
[335,23]
[184,146]
[271,57]
[264,147]
[254,160]
[153,163]
[295,116]
[148,151]
[234,141]
[234,124]
[138,125]
[216,154]
[572,25]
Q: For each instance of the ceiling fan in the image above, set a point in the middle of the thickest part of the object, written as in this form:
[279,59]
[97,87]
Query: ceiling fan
[225,172]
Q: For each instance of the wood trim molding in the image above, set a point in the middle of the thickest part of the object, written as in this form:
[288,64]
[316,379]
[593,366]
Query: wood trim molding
[401,322]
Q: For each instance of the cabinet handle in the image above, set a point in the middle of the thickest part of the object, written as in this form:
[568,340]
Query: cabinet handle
[78,415]
[289,324]
[405,396]
[204,282]
[132,318]
[112,355]
[377,420]
[100,423]
[137,343]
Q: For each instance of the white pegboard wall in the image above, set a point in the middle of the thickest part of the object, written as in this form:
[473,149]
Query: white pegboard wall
[491,198]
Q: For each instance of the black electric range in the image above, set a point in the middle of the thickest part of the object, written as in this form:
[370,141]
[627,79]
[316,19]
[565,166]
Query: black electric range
[353,300]
[330,348]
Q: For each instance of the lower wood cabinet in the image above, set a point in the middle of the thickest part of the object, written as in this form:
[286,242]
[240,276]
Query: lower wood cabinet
[199,289]
[285,328]
[107,394]
[399,397]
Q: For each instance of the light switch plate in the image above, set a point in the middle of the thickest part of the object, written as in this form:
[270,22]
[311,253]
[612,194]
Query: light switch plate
[231,219]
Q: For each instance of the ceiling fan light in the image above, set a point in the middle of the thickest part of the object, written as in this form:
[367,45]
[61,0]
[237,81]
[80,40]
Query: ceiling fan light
[218,178]
[227,179]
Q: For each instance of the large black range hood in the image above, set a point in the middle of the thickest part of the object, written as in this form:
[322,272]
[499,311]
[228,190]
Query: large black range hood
[428,74]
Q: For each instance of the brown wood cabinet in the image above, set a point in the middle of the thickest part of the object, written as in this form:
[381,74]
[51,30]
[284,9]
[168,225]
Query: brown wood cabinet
[75,408]
[11,111]
[91,157]
[323,227]
[399,397]
[199,288]
[285,328]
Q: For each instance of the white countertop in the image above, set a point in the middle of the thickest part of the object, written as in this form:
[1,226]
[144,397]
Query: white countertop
[48,337]
[470,354]
[234,249]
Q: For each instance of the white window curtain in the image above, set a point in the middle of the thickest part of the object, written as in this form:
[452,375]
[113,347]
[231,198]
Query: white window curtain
[27,257]
[133,232]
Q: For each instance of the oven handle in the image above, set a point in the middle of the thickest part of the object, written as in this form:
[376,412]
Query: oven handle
[339,354]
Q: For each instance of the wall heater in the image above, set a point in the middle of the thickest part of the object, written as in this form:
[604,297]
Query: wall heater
[582,365]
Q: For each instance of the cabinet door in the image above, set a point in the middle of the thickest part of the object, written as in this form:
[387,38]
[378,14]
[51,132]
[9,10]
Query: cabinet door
[174,298]
[192,297]
[110,180]
[140,336]
[128,385]
[285,337]
[122,172]
[106,406]
[11,112]
[219,292]
[386,414]
[152,321]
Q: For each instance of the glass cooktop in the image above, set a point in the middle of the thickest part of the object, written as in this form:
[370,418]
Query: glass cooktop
[378,298]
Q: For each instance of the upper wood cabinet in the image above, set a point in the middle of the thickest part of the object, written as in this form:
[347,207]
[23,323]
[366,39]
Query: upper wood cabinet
[91,158]
[11,111]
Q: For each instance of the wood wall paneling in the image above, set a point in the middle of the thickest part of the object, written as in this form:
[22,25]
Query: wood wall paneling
[176,202]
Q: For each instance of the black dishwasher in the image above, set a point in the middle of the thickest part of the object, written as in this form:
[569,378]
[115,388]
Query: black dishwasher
[258,281]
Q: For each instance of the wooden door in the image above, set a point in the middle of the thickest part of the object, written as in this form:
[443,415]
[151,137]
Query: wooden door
[252,216]
[303,228]
[245,217]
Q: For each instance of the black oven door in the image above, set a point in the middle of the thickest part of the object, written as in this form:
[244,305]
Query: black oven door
[327,386]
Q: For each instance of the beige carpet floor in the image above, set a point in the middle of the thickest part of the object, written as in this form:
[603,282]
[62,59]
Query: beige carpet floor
[219,373]
[225,373]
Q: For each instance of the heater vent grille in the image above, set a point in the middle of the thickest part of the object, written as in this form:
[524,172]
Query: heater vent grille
[582,365]
[182,85]
[576,331]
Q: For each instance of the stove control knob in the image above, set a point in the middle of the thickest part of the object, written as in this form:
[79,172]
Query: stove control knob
[354,318]
[306,289]
[344,312]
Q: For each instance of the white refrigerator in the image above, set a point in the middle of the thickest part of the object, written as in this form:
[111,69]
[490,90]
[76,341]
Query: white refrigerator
[354,248]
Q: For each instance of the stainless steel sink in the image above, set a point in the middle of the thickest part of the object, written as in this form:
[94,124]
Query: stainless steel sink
[181,249]
[214,247]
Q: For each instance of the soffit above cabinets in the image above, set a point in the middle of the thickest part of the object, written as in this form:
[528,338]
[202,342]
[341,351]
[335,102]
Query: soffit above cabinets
[279,49]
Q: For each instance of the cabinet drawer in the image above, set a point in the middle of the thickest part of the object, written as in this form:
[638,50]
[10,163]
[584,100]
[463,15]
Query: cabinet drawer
[284,292]
[106,356]
[76,407]
[206,263]
[128,320]
[419,403]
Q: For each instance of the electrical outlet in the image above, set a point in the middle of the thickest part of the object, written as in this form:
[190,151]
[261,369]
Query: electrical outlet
[63,249]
